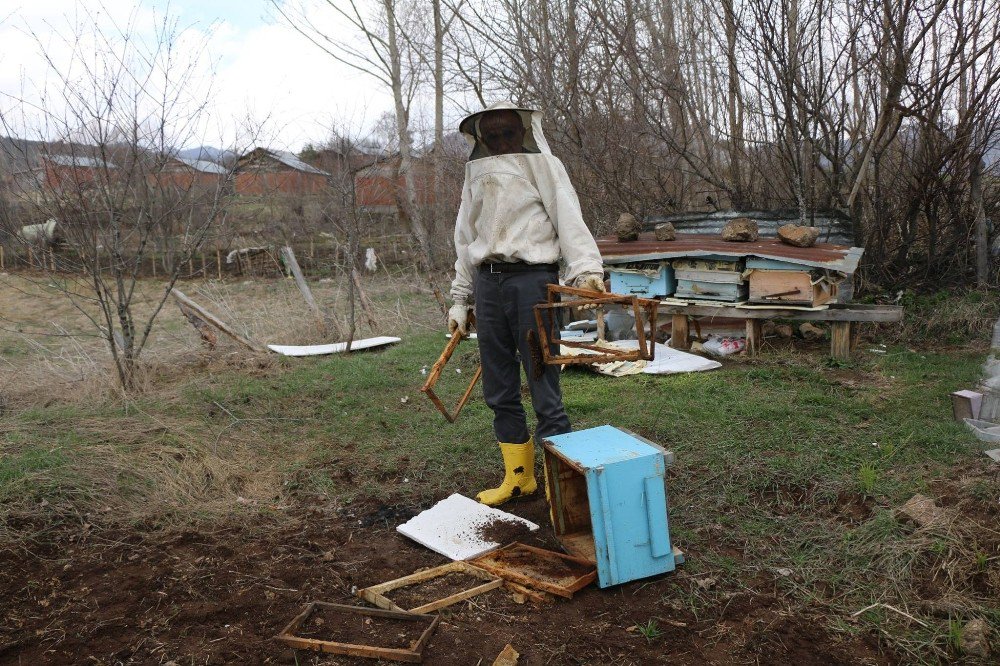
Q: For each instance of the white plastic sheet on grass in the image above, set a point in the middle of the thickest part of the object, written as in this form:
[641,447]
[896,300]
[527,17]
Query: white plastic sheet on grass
[667,361]
[451,527]
[335,348]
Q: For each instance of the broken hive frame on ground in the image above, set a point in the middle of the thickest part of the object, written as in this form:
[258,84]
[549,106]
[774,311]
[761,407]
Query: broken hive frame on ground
[527,566]
[435,375]
[376,593]
[548,336]
[412,654]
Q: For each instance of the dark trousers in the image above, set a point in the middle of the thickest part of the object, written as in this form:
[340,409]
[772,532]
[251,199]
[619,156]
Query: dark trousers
[504,315]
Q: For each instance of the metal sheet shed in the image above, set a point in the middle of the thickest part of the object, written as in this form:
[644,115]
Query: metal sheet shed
[822,255]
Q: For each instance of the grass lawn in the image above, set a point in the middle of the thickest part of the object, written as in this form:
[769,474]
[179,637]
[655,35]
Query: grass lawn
[788,469]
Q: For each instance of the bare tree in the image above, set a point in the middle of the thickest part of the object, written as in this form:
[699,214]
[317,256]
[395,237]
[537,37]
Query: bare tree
[109,180]
[384,42]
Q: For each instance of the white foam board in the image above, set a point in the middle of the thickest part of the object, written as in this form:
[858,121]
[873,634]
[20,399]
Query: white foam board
[335,348]
[451,527]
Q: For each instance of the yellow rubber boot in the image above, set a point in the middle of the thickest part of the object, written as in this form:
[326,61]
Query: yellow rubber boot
[519,474]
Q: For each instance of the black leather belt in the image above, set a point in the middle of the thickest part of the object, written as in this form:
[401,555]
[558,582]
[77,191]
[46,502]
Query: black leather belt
[516,267]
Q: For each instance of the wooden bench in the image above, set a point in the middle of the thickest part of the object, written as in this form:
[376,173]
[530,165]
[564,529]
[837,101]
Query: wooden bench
[842,317]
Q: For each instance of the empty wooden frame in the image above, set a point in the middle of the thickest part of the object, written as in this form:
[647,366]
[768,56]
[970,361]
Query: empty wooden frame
[435,374]
[376,593]
[548,332]
[412,654]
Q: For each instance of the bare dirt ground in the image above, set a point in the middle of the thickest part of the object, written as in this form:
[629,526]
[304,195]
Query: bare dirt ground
[218,597]
[190,523]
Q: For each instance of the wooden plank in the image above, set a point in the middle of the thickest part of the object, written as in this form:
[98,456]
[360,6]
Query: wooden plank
[836,312]
[755,336]
[840,340]
[289,256]
[215,321]
[534,596]
[679,331]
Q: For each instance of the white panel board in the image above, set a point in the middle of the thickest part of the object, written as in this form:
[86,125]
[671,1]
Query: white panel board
[451,527]
[335,348]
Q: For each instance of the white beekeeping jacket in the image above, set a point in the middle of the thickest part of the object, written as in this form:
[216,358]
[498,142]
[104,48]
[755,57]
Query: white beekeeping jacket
[518,207]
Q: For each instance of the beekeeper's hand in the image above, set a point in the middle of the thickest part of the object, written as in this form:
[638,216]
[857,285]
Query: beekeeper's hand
[591,281]
[458,319]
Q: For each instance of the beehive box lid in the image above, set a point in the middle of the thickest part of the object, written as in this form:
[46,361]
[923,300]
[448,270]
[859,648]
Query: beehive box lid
[603,445]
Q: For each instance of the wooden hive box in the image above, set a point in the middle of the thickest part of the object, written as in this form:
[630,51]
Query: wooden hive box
[607,490]
[710,279]
[791,287]
[647,280]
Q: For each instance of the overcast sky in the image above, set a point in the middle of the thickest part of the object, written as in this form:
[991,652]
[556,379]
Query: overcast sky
[261,66]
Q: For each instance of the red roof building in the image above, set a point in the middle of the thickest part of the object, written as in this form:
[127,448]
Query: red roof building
[263,172]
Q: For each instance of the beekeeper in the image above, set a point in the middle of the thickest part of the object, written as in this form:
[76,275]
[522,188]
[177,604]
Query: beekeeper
[518,225]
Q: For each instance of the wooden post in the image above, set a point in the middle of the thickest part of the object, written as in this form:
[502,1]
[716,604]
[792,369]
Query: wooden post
[204,274]
[840,340]
[755,336]
[52,260]
[366,304]
[218,262]
[300,281]
[215,321]
[31,258]
[190,267]
[679,332]
[2,265]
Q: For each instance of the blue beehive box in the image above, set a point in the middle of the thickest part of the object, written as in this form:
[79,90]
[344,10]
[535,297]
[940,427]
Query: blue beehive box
[647,282]
[608,501]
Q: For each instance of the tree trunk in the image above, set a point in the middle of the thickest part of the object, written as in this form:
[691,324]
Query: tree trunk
[981,235]
[735,110]
[408,202]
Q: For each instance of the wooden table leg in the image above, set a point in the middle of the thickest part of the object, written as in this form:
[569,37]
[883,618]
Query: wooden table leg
[679,332]
[840,340]
[755,336]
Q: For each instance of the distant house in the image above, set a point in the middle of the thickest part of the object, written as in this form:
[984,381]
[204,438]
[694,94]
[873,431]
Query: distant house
[185,173]
[377,188]
[75,171]
[263,171]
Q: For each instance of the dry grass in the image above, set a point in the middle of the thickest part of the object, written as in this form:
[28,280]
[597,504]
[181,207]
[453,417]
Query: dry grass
[50,352]
[145,457]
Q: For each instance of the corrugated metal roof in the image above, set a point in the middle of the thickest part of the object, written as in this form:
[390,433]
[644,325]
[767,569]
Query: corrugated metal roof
[78,161]
[291,160]
[647,248]
[204,166]
[834,226]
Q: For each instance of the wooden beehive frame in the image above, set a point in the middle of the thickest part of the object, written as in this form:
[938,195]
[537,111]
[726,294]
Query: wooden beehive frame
[435,374]
[376,593]
[489,563]
[548,335]
[412,655]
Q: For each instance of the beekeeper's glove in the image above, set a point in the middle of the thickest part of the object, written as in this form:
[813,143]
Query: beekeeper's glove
[591,281]
[458,319]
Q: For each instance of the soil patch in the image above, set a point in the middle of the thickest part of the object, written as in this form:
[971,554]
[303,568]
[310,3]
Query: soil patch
[502,531]
[342,626]
[412,596]
[218,595]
